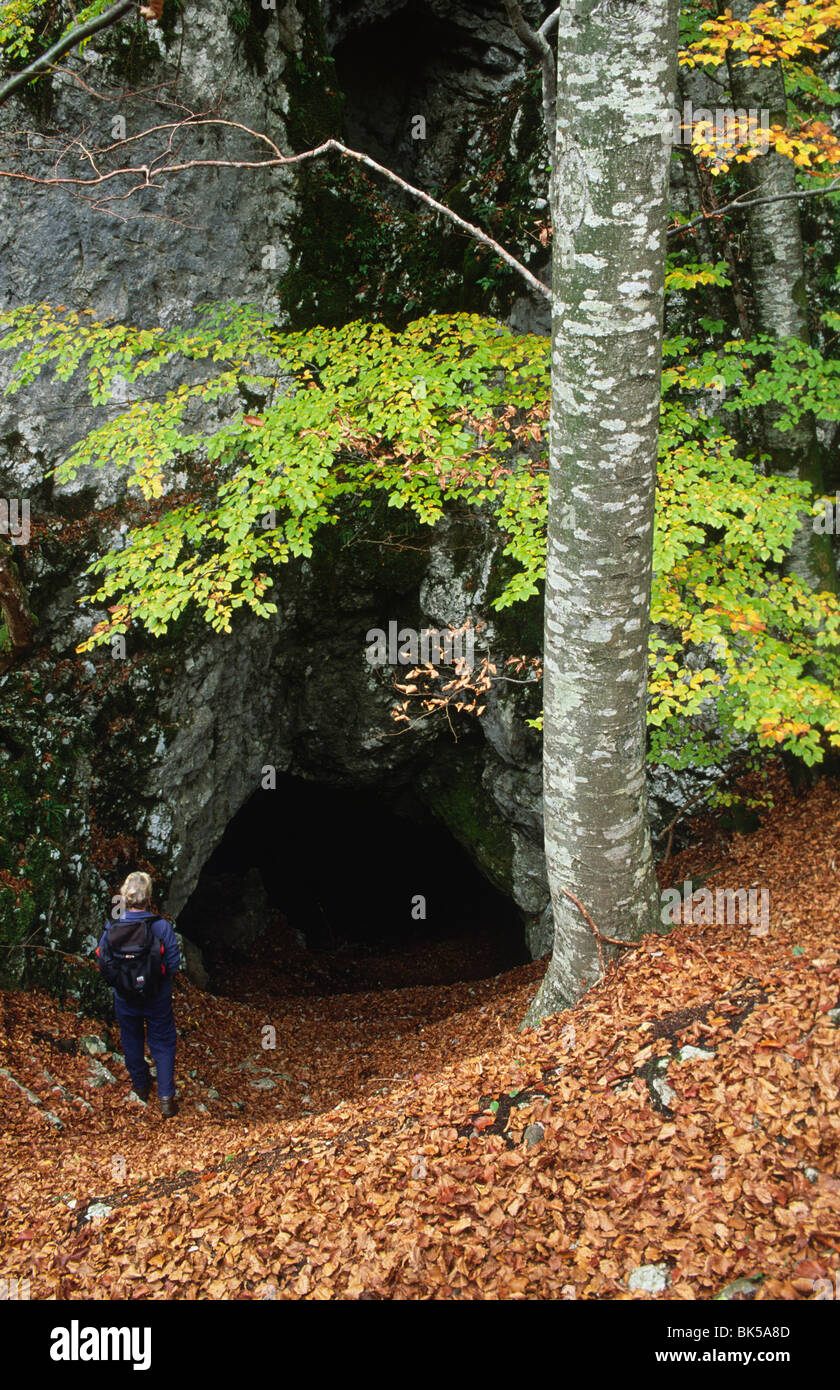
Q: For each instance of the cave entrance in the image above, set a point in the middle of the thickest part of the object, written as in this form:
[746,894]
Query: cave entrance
[336,883]
[398,67]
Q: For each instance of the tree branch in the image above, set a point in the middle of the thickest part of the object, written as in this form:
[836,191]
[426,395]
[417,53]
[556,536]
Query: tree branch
[148,174]
[599,935]
[548,24]
[536,41]
[743,202]
[64,44]
[722,777]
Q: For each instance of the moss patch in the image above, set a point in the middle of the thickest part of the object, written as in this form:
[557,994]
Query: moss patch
[249,22]
[453,792]
[39,812]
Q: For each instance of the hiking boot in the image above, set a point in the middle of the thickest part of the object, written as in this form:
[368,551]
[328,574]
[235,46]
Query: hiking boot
[142,1094]
[167,1106]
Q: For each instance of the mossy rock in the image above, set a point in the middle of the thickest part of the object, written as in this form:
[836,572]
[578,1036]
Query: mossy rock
[453,792]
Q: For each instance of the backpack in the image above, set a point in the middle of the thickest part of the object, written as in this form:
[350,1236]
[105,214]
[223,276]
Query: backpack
[132,959]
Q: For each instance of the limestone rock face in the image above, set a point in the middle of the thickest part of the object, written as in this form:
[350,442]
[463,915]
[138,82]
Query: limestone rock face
[172,742]
[163,753]
[203,234]
[189,237]
[156,754]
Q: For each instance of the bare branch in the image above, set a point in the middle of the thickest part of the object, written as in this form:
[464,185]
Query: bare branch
[149,176]
[743,202]
[537,42]
[548,24]
[64,44]
[722,777]
[475,232]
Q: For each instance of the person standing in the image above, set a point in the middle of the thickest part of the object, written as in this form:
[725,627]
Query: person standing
[139,956]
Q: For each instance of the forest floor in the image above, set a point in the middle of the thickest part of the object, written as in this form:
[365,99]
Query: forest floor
[408,1141]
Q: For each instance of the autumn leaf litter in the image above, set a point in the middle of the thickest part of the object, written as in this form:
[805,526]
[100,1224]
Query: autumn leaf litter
[413,1143]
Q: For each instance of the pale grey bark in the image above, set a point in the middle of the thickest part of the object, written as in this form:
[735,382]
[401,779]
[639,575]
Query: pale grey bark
[616,82]
[777,276]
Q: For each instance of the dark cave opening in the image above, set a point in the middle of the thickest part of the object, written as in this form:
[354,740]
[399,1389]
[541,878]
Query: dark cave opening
[395,69]
[332,874]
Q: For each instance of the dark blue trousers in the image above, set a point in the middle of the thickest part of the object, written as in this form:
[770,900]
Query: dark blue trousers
[157,1017]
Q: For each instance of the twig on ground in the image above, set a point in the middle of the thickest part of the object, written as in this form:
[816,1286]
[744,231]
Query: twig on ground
[599,935]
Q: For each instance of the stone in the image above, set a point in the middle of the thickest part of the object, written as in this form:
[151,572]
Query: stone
[67,1095]
[30,1095]
[649,1279]
[97,1211]
[533,1135]
[192,962]
[93,1045]
[251,922]
[687,1053]
[736,1287]
[666,1093]
[100,1075]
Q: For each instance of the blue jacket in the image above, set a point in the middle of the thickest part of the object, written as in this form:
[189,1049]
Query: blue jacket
[161,929]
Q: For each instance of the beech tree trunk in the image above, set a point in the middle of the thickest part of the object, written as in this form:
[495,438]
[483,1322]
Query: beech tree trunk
[616,83]
[777,276]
